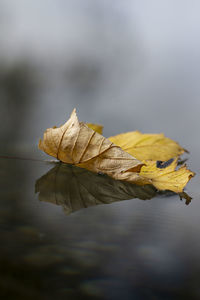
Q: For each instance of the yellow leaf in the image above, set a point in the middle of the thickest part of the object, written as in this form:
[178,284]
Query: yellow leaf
[80,144]
[148,146]
[96,127]
[164,176]
[76,143]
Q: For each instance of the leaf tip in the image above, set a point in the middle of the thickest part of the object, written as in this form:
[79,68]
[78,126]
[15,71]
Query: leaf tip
[73,112]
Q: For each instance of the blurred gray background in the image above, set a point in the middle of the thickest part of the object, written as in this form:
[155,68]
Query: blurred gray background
[125,64]
[129,65]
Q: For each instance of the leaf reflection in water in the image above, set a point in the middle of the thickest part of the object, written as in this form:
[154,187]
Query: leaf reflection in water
[75,188]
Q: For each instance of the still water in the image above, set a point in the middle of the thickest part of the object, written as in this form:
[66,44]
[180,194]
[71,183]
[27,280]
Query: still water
[67,233]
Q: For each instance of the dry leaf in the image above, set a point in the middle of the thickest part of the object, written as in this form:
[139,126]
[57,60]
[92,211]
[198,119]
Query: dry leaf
[157,152]
[148,146]
[76,143]
[76,188]
[80,144]
[164,176]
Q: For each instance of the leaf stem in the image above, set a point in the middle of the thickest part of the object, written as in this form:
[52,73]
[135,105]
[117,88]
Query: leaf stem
[26,158]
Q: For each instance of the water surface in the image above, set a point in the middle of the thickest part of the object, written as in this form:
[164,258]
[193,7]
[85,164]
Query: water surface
[129,248]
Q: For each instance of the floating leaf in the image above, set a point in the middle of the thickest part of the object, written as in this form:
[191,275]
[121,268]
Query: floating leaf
[167,178]
[148,146]
[157,152]
[75,188]
[80,144]
[76,143]
[164,176]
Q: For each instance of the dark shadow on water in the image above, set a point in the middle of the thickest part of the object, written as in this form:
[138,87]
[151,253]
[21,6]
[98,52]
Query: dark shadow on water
[74,188]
